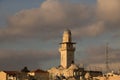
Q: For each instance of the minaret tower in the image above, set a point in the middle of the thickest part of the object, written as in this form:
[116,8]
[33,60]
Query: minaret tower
[67,49]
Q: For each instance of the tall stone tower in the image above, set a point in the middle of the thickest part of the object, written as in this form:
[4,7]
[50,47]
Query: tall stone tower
[67,49]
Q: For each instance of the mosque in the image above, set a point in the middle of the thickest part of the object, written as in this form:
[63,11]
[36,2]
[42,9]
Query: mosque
[68,70]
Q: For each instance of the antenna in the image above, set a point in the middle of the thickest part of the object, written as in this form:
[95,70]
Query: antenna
[107,58]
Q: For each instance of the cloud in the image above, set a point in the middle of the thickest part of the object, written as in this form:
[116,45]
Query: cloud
[52,16]
[90,30]
[109,10]
[14,60]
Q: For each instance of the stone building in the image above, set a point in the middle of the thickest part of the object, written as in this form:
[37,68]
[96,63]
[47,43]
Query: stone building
[9,75]
[24,74]
[67,68]
[38,75]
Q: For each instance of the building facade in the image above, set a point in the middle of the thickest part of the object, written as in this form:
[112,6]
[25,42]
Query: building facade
[9,75]
[39,75]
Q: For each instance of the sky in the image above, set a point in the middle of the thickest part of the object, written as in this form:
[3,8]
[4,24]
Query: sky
[30,32]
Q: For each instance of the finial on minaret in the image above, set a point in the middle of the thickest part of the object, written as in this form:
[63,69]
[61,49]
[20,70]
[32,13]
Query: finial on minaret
[67,36]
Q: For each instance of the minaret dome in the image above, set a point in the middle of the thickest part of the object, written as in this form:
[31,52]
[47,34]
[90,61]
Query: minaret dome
[67,36]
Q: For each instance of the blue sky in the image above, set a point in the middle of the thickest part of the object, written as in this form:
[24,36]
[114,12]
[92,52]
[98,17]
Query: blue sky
[30,31]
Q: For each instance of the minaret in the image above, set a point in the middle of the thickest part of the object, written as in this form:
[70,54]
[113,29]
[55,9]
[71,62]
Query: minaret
[67,49]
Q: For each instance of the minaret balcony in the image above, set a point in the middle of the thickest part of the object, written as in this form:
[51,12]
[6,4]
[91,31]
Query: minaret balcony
[68,49]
